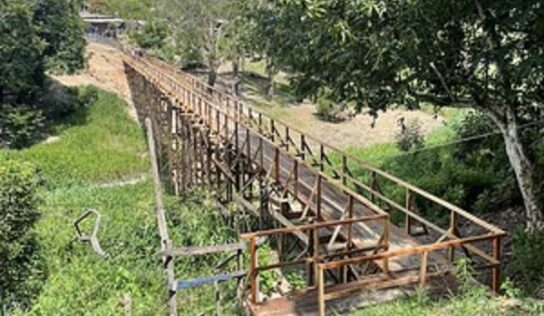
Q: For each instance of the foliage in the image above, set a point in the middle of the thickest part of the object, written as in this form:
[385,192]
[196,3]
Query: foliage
[472,299]
[484,54]
[152,36]
[82,283]
[19,125]
[470,174]
[20,256]
[21,63]
[61,29]
[527,265]
[267,279]
[328,110]
[130,9]
[200,28]
[36,36]
[410,137]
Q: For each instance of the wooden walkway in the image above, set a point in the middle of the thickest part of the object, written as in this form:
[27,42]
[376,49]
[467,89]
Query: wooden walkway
[342,221]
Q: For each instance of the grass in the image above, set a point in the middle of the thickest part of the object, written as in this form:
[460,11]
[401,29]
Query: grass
[97,144]
[475,302]
[102,144]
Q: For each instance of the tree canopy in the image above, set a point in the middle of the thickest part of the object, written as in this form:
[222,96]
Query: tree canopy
[482,54]
[37,35]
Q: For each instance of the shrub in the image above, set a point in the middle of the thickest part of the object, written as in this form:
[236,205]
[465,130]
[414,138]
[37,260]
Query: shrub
[152,36]
[20,125]
[328,110]
[410,137]
[20,259]
[527,265]
[471,174]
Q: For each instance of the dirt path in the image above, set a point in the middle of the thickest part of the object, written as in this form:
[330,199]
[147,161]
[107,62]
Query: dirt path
[104,70]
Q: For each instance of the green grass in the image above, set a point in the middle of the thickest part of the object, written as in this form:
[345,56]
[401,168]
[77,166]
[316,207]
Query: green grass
[96,144]
[474,301]
[82,283]
[102,144]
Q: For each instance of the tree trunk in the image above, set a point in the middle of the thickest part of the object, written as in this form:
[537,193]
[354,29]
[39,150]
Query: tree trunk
[212,76]
[270,72]
[522,167]
[236,67]
[236,74]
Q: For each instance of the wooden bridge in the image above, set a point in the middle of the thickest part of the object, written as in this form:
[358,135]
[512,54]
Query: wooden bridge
[328,214]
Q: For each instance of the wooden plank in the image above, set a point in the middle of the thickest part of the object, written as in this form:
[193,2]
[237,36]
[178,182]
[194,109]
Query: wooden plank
[195,251]
[166,243]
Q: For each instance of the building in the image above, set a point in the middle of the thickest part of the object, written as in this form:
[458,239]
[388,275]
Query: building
[102,24]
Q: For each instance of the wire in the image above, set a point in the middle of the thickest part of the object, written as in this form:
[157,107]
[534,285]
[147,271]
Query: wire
[462,140]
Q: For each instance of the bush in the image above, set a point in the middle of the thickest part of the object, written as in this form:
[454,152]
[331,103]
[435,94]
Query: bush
[328,110]
[410,137]
[471,174]
[527,265]
[152,36]
[20,125]
[22,268]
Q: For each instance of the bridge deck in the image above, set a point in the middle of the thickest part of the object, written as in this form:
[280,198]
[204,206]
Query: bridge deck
[364,234]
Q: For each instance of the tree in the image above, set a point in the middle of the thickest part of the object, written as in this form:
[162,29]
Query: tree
[37,36]
[19,249]
[21,63]
[60,27]
[481,54]
[130,9]
[200,27]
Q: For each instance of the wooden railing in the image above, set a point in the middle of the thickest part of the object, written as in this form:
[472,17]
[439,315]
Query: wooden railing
[230,126]
[319,154]
[423,251]
[315,256]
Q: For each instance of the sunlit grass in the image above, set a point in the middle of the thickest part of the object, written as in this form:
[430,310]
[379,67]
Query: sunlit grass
[96,144]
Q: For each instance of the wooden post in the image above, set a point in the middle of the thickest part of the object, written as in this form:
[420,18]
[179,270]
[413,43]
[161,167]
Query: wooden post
[321,157]
[253,270]
[303,146]
[453,230]
[277,164]
[373,186]
[248,149]
[408,206]
[287,138]
[295,171]
[423,268]
[386,243]
[272,130]
[344,169]
[321,290]
[310,266]
[496,283]
[318,202]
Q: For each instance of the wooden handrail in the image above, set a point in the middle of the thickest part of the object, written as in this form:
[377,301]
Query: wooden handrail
[327,224]
[347,156]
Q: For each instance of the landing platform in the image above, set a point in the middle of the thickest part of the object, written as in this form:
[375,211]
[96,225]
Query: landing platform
[382,289]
